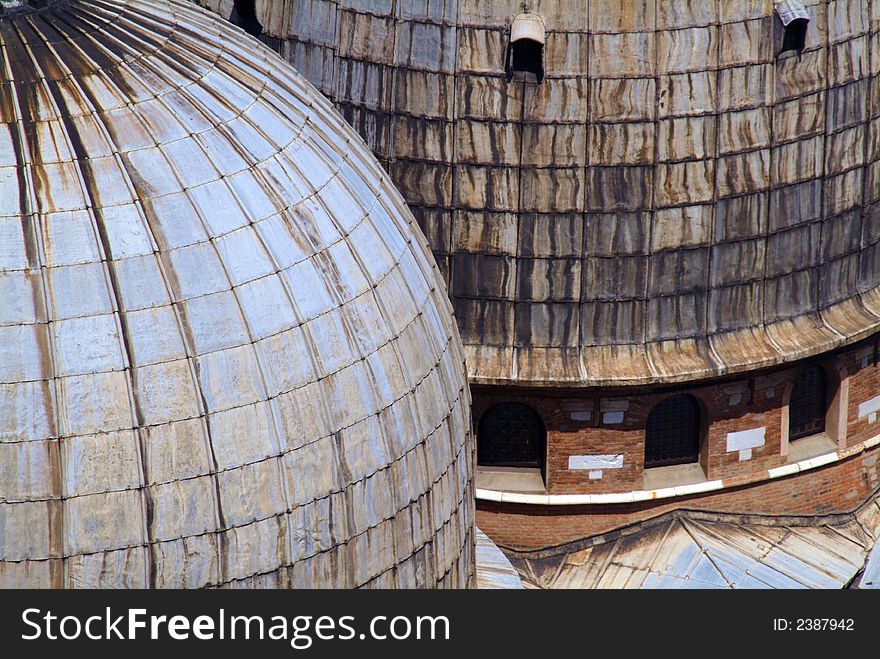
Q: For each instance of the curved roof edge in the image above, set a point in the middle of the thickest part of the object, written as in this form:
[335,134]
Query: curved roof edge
[679,360]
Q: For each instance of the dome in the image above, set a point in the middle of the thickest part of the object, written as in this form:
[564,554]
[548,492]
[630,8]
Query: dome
[226,354]
[676,195]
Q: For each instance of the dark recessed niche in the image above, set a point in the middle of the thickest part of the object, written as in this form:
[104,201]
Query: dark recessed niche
[525,52]
[794,19]
[808,403]
[672,432]
[511,435]
[795,35]
[244,15]
[527,60]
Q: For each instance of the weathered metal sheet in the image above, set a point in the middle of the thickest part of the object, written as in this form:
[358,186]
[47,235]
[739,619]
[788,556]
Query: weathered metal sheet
[493,568]
[743,181]
[700,550]
[226,354]
[871,577]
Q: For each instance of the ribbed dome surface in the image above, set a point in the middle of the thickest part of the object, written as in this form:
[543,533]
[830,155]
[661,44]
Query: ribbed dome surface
[674,201]
[226,356]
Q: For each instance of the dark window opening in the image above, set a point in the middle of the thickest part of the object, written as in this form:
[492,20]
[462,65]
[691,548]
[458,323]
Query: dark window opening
[794,19]
[795,35]
[672,433]
[526,60]
[511,435]
[244,15]
[808,403]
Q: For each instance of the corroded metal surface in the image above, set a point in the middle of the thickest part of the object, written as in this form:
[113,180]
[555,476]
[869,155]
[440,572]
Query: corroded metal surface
[226,354]
[700,550]
[672,202]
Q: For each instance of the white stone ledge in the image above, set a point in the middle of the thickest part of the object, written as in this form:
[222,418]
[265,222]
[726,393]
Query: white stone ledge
[696,488]
[784,470]
[818,461]
[672,492]
[871,443]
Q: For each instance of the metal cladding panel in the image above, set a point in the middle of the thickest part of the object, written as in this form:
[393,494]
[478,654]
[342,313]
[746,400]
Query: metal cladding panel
[226,354]
[871,576]
[693,550]
[494,571]
[743,180]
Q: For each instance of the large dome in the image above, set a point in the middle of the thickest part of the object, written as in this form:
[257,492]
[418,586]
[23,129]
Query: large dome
[226,354]
[673,201]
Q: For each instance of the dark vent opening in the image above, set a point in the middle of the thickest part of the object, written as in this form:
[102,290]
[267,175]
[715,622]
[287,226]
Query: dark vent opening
[672,433]
[511,435]
[795,35]
[526,62]
[244,15]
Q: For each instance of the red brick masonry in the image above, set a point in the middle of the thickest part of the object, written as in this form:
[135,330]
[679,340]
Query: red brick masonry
[767,483]
[835,488]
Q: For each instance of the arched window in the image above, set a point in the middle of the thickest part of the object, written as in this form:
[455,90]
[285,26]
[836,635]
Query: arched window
[808,402]
[511,435]
[672,435]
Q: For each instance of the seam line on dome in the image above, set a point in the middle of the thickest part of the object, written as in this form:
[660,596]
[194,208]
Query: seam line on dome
[275,515]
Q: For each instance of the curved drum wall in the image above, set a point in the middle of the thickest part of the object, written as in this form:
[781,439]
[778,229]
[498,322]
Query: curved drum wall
[673,202]
[226,355]
[597,477]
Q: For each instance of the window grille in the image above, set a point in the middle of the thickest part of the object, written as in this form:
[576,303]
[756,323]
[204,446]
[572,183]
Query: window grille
[672,435]
[807,405]
[511,435]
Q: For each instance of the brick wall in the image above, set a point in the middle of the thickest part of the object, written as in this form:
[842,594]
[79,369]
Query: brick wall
[578,423]
[837,488]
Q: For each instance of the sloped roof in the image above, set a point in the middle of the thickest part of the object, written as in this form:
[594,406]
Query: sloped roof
[870,578]
[494,570]
[700,550]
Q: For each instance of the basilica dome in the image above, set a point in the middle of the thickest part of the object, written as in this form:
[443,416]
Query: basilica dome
[620,192]
[227,357]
